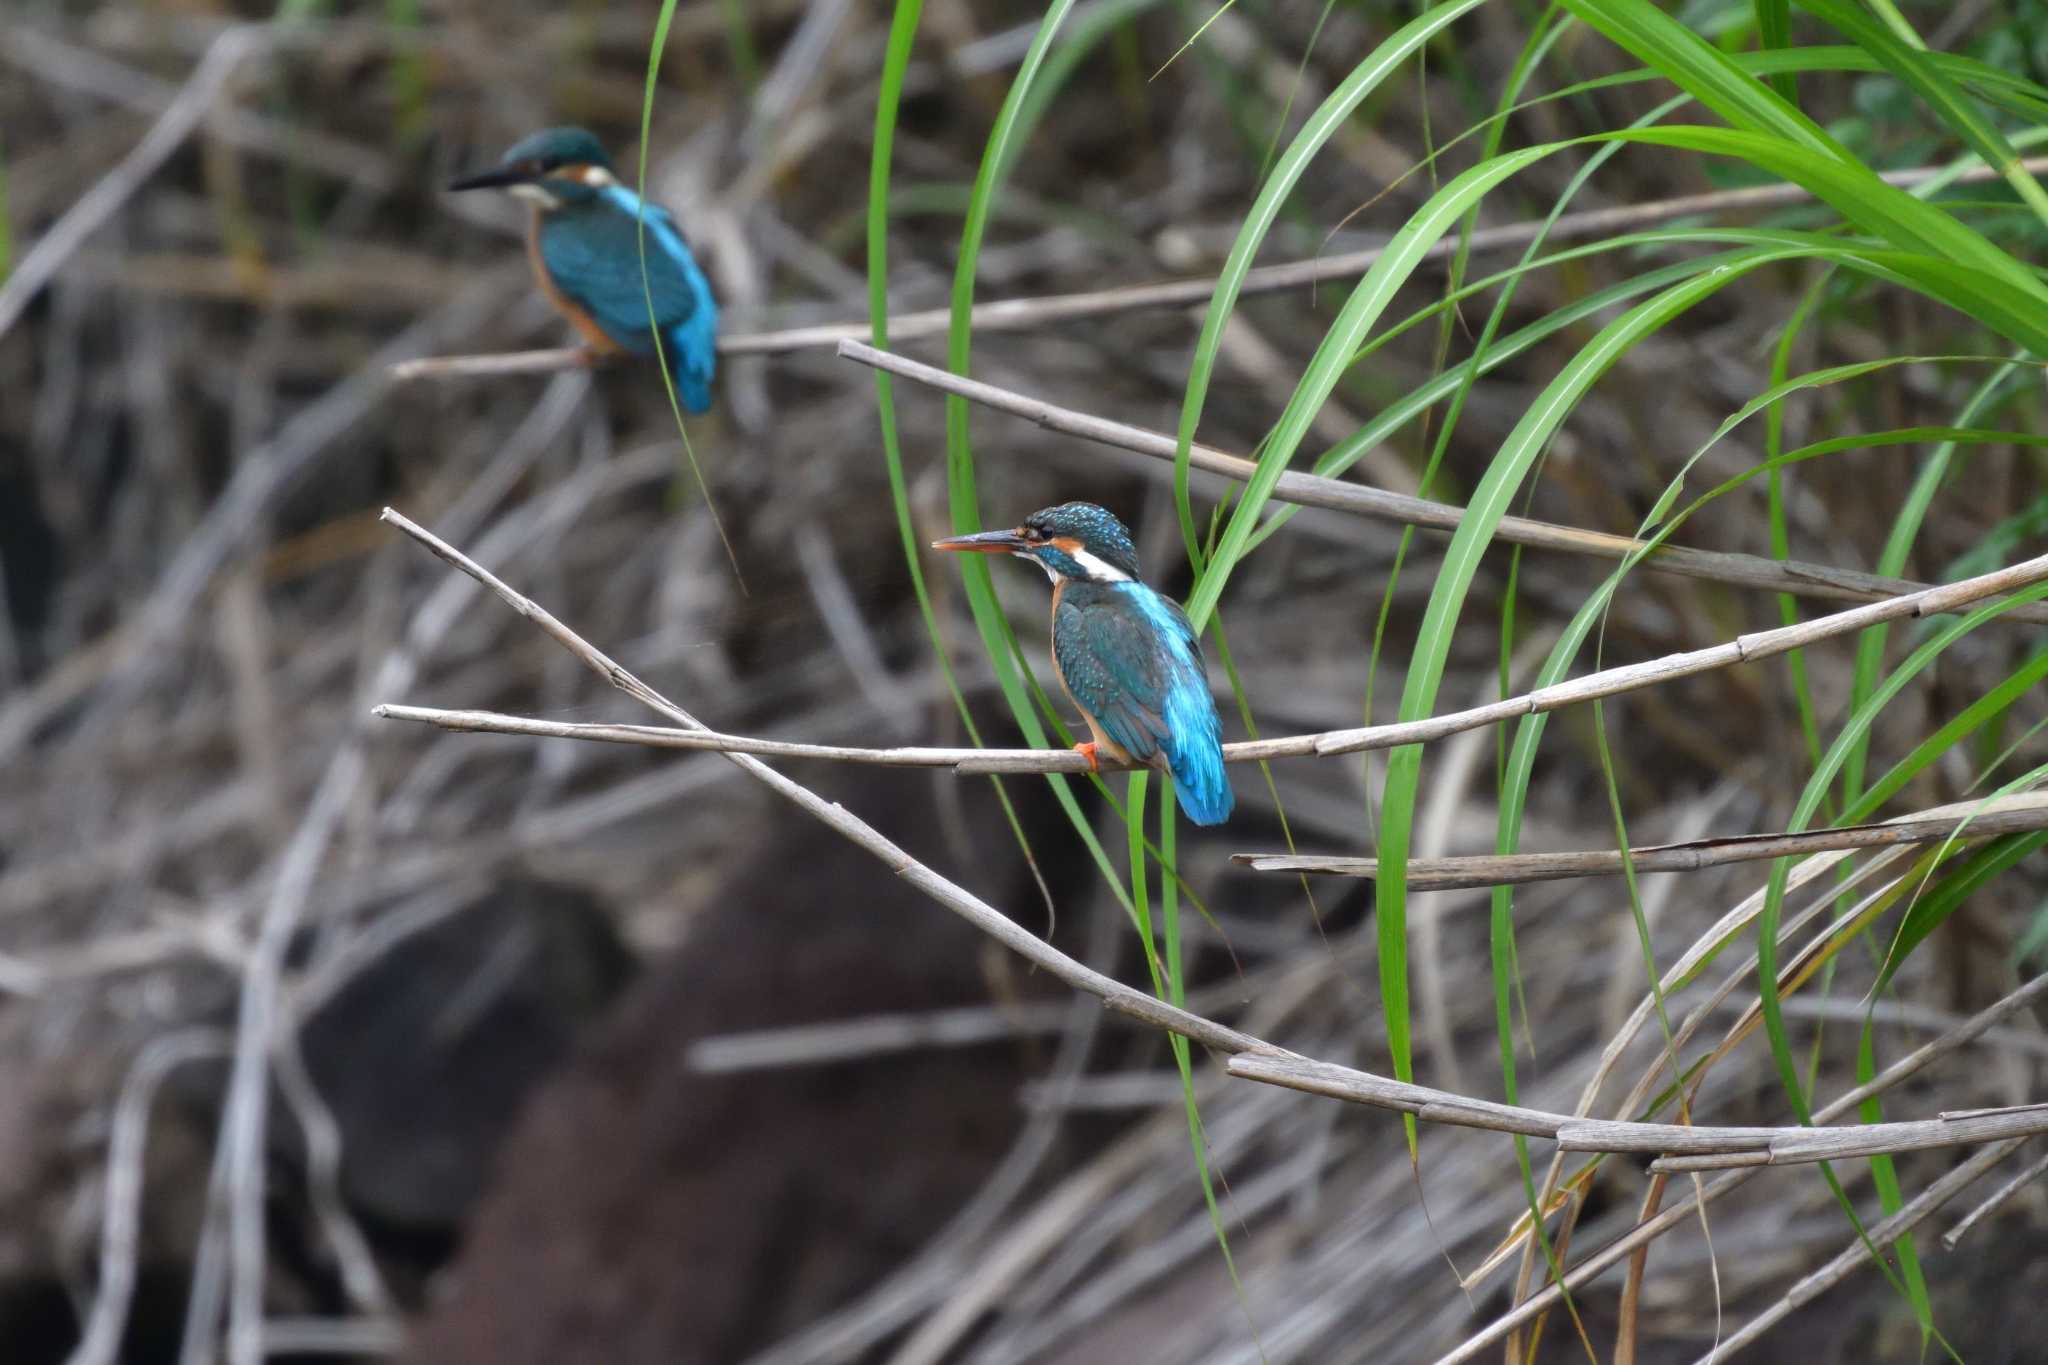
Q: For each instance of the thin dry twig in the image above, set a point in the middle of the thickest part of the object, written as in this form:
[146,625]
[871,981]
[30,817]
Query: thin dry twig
[2026,1175]
[1253,1058]
[245,1122]
[1607,683]
[976,911]
[1856,1254]
[1614,1252]
[1728,1146]
[552,360]
[114,189]
[121,1199]
[1022,315]
[1968,819]
[1800,578]
[47,58]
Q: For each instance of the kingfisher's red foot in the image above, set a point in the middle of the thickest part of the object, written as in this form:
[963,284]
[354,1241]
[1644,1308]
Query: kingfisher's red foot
[1087,751]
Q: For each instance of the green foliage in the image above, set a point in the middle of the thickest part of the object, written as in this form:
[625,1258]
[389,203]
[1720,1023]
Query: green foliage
[1744,116]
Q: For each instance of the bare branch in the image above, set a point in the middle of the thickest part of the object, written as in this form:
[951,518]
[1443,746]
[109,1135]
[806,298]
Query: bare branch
[114,189]
[976,911]
[1968,820]
[552,361]
[1856,1254]
[1797,577]
[1643,1233]
[1725,1146]
[121,1197]
[1257,1060]
[2027,1174]
[1607,683]
[1023,315]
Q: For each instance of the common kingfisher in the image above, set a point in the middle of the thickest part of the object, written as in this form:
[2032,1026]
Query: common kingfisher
[1126,655]
[584,243]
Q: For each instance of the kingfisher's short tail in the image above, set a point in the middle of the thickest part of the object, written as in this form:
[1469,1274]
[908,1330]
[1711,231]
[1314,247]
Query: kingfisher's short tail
[1194,755]
[692,349]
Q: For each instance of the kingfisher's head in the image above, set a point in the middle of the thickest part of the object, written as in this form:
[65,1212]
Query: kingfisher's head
[1075,540]
[555,166]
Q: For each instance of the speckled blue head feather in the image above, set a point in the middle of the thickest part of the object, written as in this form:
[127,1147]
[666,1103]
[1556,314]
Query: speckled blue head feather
[555,147]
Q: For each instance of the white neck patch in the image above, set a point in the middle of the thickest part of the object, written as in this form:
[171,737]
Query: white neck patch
[597,177]
[1099,569]
[534,194]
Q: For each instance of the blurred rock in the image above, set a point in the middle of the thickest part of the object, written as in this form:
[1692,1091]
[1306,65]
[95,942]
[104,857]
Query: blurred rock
[426,1056]
[644,1213]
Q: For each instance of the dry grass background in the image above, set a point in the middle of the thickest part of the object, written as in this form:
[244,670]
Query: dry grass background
[197,431]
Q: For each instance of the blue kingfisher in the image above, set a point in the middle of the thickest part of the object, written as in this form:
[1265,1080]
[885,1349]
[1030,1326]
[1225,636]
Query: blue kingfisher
[584,243]
[1127,655]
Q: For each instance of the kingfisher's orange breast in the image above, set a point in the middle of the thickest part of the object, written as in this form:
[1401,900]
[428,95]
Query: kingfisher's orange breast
[563,304]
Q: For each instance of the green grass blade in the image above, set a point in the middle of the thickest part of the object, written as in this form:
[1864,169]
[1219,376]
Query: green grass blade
[1891,560]
[1488,504]
[1774,30]
[655,48]
[1705,72]
[1388,58]
[888,102]
[1910,63]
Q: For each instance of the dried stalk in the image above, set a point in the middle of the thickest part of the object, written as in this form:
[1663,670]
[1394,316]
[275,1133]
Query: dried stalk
[1727,1146]
[1607,683]
[1968,820]
[1253,1058]
[118,185]
[1023,315]
[1856,1254]
[1643,1233]
[2026,1175]
[1797,577]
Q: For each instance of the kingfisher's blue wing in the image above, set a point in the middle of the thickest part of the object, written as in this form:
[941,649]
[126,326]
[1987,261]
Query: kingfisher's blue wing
[1130,658]
[592,253]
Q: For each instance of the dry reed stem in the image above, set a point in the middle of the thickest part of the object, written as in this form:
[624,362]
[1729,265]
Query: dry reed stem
[1726,1146]
[1799,578]
[1021,315]
[1855,1254]
[1967,820]
[1253,1058]
[1606,683]
[2025,1176]
[1621,1247]
[121,1195]
[117,186]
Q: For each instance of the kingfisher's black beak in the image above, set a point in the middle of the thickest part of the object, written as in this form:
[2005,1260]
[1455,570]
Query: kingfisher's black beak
[984,542]
[491,180]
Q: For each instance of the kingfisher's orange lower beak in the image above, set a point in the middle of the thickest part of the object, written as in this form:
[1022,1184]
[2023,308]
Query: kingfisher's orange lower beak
[984,543]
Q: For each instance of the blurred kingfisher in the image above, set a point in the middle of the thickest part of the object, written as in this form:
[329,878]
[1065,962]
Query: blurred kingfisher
[584,242]
[1127,655]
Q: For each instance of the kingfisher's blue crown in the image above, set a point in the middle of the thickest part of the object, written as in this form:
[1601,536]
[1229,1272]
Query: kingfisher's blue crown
[1095,529]
[551,148]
